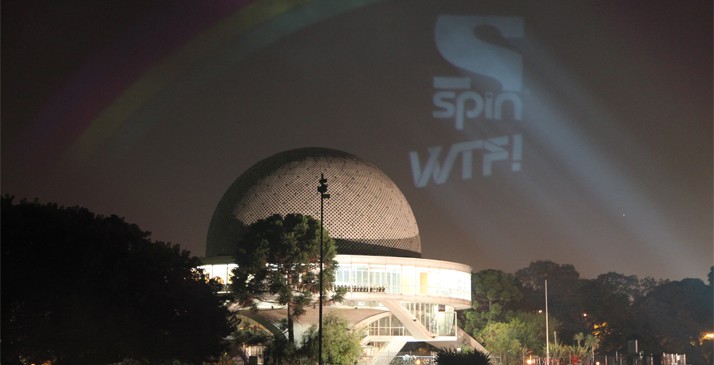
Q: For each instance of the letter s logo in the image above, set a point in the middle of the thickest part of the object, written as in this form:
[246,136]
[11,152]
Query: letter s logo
[458,44]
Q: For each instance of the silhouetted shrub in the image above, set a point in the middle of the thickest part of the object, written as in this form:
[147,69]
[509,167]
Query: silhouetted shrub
[453,357]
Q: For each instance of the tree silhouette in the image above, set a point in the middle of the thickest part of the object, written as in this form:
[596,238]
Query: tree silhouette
[604,313]
[454,357]
[567,299]
[85,289]
[672,317]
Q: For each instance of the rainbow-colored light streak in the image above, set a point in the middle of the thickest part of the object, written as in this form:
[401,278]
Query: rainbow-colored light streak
[123,77]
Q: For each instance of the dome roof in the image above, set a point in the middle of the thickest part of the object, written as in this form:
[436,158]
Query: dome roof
[366,214]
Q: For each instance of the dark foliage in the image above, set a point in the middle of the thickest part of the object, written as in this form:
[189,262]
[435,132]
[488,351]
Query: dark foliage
[664,316]
[673,316]
[566,299]
[453,357]
[78,288]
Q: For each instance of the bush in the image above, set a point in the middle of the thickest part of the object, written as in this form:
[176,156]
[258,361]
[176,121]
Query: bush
[453,357]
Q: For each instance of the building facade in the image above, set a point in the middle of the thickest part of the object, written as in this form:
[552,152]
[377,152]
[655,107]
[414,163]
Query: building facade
[393,295]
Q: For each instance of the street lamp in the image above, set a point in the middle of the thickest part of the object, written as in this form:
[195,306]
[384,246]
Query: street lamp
[547,339]
[322,189]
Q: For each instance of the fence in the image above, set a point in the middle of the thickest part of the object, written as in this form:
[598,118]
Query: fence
[641,359]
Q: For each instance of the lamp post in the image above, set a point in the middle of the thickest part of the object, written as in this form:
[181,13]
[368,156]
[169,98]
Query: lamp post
[322,189]
[547,340]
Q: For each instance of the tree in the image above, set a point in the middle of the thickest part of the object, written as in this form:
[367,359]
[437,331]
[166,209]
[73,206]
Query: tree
[608,304]
[592,343]
[248,333]
[534,276]
[585,346]
[620,286]
[672,317]
[79,288]
[560,353]
[530,329]
[649,283]
[567,297]
[341,345]
[278,261]
[492,293]
[502,338]
[523,333]
[599,314]
[494,286]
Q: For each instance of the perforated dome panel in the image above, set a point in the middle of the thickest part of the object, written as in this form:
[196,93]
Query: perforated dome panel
[366,214]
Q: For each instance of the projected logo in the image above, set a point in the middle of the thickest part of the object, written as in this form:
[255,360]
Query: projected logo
[488,91]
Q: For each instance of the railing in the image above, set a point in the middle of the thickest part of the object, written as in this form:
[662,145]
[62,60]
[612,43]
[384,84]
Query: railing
[399,358]
[362,288]
[651,359]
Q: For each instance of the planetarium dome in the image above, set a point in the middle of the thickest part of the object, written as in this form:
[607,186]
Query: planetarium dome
[366,214]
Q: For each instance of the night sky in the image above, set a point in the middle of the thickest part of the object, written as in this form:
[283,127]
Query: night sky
[151,111]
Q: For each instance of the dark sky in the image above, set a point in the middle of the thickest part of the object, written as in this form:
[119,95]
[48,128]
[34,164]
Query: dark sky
[151,111]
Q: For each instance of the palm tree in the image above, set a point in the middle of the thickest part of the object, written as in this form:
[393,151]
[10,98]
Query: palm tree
[592,343]
[580,350]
